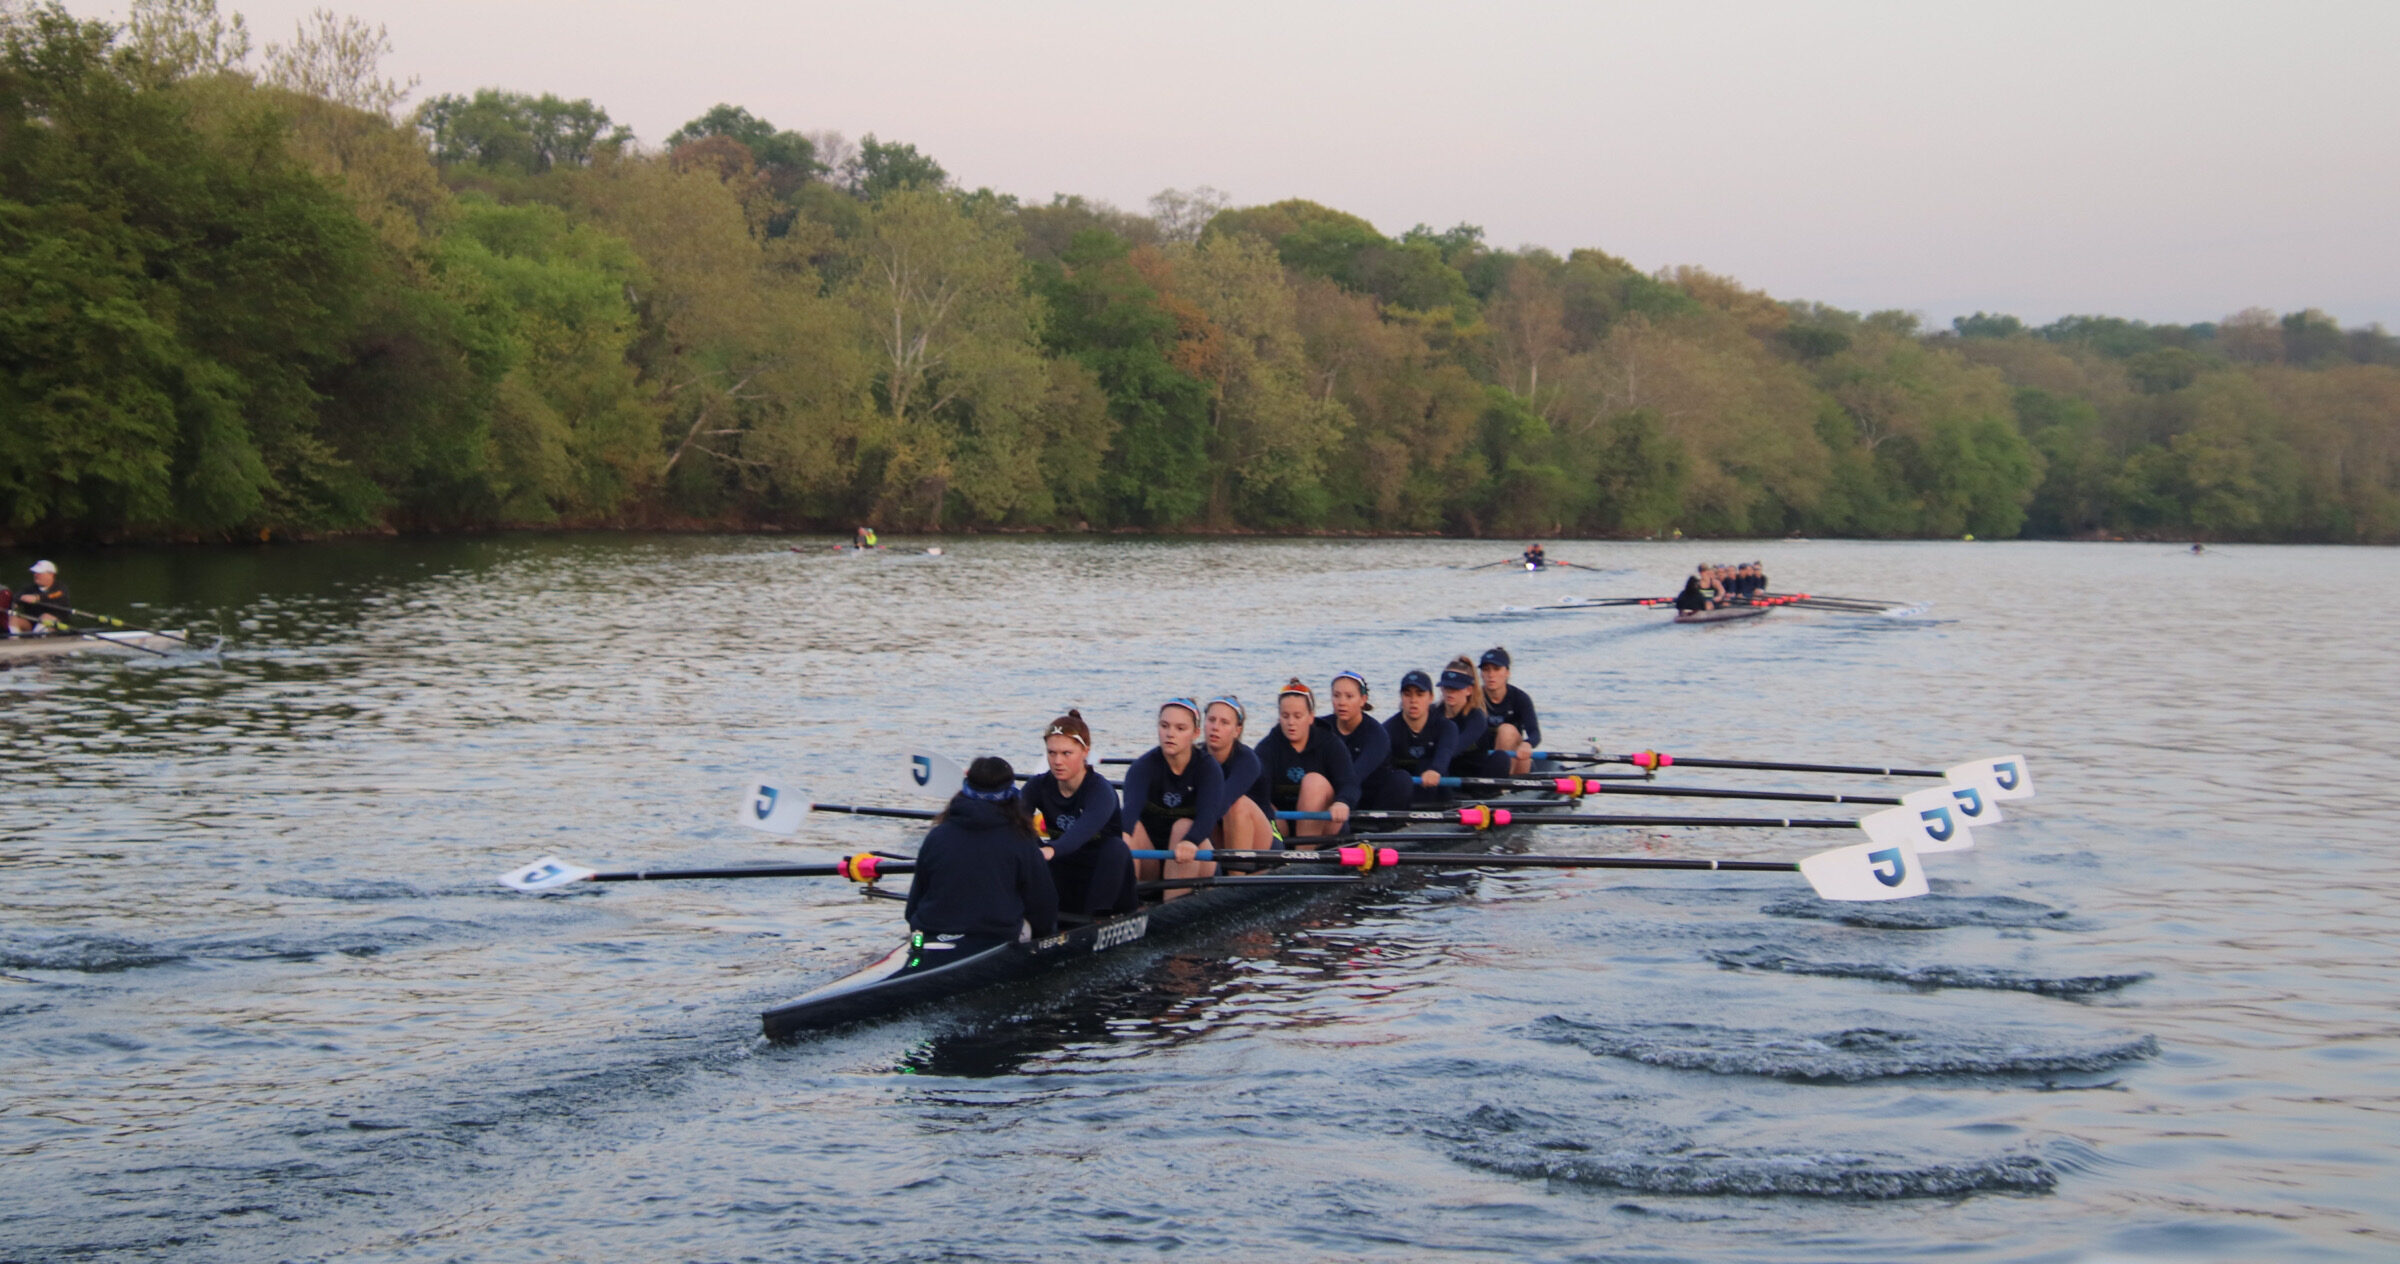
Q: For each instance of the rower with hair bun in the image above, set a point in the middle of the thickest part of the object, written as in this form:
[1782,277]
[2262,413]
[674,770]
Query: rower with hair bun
[1077,815]
[1369,745]
[980,881]
[1174,795]
[1307,769]
[1249,821]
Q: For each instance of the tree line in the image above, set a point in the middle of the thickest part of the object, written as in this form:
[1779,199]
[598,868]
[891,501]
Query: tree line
[242,293]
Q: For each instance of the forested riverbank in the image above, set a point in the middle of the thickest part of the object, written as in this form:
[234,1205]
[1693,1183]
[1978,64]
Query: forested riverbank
[245,291]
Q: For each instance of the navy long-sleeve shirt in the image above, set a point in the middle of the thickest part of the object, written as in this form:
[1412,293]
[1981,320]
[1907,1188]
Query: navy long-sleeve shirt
[979,874]
[1286,768]
[1413,751]
[1514,708]
[1072,821]
[1157,797]
[1370,746]
[1246,778]
[1474,734]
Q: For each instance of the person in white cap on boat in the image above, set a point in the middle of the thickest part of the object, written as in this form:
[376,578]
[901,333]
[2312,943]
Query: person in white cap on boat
[34,611]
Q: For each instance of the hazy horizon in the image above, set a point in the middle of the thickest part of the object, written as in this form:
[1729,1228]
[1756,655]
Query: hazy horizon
[2168,163]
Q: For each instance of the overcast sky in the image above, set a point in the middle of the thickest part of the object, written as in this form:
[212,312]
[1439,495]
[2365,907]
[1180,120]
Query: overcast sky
[2170,161]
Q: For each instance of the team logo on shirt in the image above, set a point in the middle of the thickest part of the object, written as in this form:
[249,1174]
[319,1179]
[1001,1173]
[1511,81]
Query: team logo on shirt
[1295,773]
[1172,798]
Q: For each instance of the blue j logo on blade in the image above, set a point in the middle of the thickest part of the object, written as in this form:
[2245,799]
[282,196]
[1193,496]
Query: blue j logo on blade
[921,768]
[1899,868]
[1938,825]
[764,804]
[2005,772]
[1970,800]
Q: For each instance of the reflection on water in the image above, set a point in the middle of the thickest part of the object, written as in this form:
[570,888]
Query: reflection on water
[260,999]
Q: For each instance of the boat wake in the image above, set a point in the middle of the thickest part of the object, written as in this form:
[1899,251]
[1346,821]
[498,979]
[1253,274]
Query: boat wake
[1662,1160]
[1848,1056]
[1988,978]
[109,954]
[1931,912]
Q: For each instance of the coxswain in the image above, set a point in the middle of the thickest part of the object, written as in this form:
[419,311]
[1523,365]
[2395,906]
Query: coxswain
[979,879]
[1369,745]
[1693,599]
[1515,730]
[35,609]
[1249,820]
[1535,559]
[1172,797]
[1307,769]
[1423,743]
[1076,814]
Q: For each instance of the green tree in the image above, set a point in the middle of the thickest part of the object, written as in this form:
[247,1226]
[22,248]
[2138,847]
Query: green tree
[1103,312]
[881,168]
[939,293]
[511,131]
[168,297]
[1269,435]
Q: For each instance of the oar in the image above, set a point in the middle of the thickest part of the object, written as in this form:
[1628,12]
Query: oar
[1579,786]
[550,873]
[1595,603]
[1862,871]
[2008,776]
[1506,561]
[1655,760]
[108,621]
[1484,816]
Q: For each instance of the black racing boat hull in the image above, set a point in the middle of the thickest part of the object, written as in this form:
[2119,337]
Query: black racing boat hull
[879,990]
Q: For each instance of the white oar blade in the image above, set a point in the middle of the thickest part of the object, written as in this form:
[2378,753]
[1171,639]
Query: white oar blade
[2011,777]
[1974,801]
[546,874]
[1927,830]
[773,810]
[938,776]
[1866,871]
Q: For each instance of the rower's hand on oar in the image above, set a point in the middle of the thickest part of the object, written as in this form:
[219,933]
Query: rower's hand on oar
[1185,852]
[1429,778]
[1339,813]
[1049,853]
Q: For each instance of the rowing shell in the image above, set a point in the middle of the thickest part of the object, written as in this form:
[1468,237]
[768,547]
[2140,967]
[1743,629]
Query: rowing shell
[17,649]
[879,989]
[1720,614]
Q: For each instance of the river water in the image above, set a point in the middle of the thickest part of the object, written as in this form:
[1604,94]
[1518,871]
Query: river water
[260,998]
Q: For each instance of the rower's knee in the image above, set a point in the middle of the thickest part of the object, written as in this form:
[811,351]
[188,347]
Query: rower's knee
[1316,793]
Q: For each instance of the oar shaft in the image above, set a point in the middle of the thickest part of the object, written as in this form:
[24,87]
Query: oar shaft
[1856,770]
[1681,792]
[1492,861]
[905,814]
[114,624]
[1755,822]
[1654,760]
[749,871]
